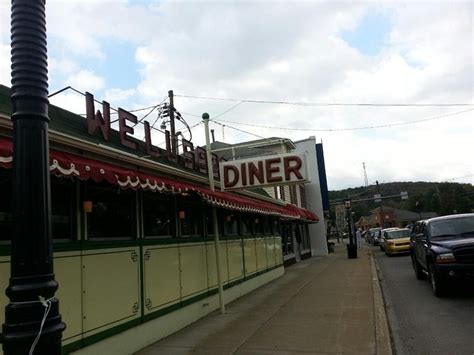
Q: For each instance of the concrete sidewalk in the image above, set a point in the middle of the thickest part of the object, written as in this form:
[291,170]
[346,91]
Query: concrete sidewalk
[326,304]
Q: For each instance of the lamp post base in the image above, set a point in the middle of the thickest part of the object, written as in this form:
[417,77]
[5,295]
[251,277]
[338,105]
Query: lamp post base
[352,251]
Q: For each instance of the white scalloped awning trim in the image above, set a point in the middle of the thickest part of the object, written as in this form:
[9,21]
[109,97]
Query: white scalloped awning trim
[146,185]
[70,170]
[6,159]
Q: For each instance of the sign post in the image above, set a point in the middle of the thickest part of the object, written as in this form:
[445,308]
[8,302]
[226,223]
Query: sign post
[205,119]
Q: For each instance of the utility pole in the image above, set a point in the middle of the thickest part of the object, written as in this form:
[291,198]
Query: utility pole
[174,139]
[382,224]
[32,319]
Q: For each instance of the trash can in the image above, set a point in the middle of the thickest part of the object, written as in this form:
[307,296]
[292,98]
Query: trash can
[330,247]
[352,251]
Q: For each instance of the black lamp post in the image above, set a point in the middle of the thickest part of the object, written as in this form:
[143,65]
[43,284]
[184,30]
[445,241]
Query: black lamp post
[351,247]
[32,283]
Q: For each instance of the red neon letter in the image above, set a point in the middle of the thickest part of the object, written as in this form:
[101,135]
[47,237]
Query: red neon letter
[295,169]
[150,148]
[271,170]
[255,172]
[235,171]
[96,122]
[124,129]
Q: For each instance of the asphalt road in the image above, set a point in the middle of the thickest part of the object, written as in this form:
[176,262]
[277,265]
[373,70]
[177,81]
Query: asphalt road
[420,322]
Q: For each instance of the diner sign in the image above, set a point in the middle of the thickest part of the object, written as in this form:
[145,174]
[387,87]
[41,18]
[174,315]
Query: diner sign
[281,169]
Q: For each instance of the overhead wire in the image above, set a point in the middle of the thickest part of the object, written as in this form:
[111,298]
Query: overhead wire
[352,128]
[240,130]
[228,110]
[294,103]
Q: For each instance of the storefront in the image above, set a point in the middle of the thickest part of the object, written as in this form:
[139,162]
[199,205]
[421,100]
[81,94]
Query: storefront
[133,247]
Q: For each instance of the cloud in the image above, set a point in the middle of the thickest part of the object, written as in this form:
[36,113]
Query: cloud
[86,80]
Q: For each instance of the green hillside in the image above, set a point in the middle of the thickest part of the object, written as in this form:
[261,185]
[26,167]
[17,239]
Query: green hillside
[443,198]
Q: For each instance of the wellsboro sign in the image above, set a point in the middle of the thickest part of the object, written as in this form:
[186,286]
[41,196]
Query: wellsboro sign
[99,123]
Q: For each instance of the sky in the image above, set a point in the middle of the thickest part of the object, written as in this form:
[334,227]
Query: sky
[131,53]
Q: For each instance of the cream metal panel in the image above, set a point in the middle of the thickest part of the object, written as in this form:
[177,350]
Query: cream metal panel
[4,277]
[211,264]
[111,288]
[235,259]
[161,277]
[250,256]
[261,254]
[193,267]
[67,269]
[278,251]
[270,245]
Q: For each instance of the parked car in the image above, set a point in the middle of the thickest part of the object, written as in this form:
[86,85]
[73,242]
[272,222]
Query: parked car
[443,249]
[396,241]
[373,232]
[382,235]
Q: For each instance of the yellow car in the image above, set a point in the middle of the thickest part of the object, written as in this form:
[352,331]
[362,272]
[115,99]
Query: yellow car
[396,241]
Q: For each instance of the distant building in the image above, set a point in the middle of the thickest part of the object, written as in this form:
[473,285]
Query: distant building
[317,199]
[391,217]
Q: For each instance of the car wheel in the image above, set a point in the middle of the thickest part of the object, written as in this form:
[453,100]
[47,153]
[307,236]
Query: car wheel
[438,285]
[420,275]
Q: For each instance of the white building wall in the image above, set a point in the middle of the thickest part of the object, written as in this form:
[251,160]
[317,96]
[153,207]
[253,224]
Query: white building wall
[314,201]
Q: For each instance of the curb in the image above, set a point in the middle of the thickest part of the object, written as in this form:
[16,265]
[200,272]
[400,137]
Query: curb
[383,344]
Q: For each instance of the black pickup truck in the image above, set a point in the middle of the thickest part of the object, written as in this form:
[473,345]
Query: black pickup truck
[442,248]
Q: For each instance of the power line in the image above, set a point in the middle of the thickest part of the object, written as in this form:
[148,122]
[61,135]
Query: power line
[240,130]
[324,103]
[352,128]
[229,109]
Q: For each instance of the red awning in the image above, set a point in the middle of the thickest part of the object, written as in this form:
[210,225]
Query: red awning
[303,213]
[72,165]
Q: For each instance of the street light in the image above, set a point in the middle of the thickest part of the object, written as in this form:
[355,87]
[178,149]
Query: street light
[210,172]
[32,319]
[351,247]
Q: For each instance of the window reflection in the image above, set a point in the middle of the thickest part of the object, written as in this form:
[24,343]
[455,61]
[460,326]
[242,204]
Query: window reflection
[158,216]
[113,212]
[63,207]
[247,224]
[190,214]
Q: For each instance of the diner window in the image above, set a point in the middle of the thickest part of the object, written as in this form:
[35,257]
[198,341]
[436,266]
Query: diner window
[191,218]
[287,239]
[275,226]
[247,224]
[158,215]
[267,225]
[210,222]
[63,208]
[258,226]
[112,213]
[63,202]
[230,223]
[6,225]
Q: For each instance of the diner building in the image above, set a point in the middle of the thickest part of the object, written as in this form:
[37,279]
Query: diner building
[132,230]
